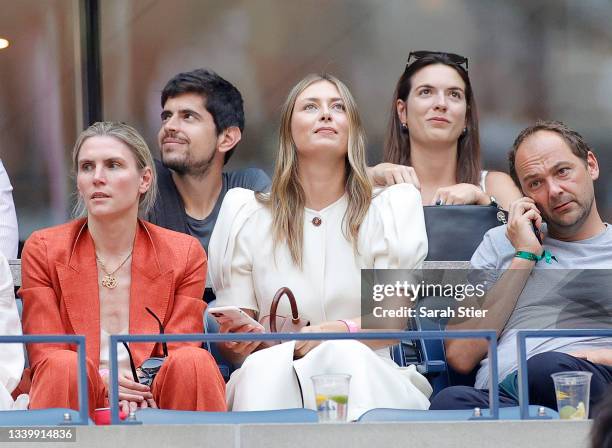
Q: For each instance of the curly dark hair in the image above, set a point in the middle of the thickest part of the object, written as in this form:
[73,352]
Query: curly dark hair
[221,98]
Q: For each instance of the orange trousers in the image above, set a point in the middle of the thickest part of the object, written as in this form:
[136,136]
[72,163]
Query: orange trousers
[189,380]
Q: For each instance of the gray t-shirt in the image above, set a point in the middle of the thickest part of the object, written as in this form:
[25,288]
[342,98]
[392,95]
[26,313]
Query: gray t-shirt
[251,178]
[571,293]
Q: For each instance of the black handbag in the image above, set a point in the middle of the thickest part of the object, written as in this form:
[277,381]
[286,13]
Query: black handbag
[455,231]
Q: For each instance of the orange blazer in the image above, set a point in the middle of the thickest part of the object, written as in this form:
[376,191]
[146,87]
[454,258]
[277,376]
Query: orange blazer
[60,288]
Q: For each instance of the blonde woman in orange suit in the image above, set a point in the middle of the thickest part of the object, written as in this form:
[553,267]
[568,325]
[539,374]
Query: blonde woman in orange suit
[95,276]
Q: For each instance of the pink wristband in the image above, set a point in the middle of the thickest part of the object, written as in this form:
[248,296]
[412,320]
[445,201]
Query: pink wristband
[350,325]
[103,372]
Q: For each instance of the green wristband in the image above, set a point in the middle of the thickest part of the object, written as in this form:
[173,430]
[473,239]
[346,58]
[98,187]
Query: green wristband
[527,255]
[546,256]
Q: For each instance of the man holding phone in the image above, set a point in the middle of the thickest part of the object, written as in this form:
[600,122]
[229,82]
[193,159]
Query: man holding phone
[555,169]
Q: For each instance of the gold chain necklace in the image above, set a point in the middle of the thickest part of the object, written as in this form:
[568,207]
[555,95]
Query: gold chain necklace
[109,280]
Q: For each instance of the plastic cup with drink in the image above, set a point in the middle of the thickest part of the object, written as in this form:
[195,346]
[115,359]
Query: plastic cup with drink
[572,390]
[332,395]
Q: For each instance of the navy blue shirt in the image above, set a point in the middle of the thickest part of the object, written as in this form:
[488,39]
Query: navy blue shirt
[169,211]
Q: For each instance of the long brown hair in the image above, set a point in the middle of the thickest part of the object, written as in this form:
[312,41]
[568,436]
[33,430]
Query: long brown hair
[397,140]
[286,199]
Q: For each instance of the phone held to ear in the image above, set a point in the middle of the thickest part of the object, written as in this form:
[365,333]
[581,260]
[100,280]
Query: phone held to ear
[536,231]
[538,234]
[235,315]
[546,255]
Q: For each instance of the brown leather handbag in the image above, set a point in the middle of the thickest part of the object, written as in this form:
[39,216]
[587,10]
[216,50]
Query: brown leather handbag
[282,324]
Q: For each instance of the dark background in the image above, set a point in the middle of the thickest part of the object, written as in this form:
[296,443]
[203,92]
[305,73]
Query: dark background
[528,59]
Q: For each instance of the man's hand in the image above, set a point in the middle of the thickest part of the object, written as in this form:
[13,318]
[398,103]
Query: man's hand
[385,174]
[599,356]
[460,194]
[520,230]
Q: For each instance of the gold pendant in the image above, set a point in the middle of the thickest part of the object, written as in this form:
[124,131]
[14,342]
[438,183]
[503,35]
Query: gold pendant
[109,281]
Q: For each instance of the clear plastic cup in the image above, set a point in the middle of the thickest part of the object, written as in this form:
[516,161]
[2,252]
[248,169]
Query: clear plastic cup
[572,390]
[332,394]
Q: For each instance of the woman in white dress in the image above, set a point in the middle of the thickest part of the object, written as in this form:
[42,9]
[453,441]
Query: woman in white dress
[11,355]
[319,225]
[432,139]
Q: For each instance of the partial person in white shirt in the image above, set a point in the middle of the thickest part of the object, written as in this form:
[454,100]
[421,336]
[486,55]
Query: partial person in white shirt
[9,234]
[318,227]
[11,355]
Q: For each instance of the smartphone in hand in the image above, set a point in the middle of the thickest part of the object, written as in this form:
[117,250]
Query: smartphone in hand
[235,315]
[536,231]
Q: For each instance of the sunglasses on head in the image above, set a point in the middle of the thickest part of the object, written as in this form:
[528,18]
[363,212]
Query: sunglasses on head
[414,56]
[150,366]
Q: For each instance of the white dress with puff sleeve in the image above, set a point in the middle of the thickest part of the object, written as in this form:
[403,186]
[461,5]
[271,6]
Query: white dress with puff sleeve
[246,272]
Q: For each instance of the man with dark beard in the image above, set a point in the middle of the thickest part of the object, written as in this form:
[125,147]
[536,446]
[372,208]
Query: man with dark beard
[554,256]
[202,122]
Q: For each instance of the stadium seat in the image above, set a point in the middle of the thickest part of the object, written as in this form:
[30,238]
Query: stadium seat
[211,326]
[433,354]
[429,355]
[19,303]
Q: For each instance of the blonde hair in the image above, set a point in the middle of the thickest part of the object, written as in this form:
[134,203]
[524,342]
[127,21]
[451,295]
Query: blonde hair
[286,199]
[134,141]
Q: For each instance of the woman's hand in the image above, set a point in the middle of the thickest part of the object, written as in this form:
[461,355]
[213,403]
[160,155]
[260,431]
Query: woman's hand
[460,194]
[130,390]
[132,395]
[131,406]
[303,347]
[242,349]
[385,174]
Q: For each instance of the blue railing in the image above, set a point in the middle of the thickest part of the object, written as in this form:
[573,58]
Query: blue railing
[521,340]
[79,340]
[489,336]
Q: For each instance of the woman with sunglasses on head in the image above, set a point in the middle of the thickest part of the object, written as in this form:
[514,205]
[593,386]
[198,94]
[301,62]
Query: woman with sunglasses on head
[313,233]
[432,139]
[104,274]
